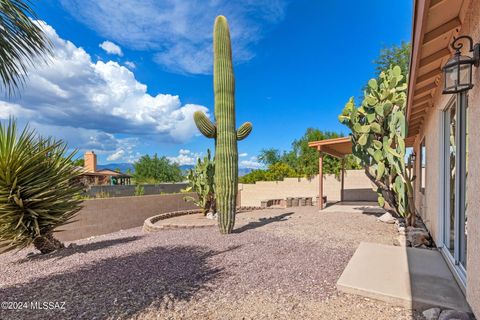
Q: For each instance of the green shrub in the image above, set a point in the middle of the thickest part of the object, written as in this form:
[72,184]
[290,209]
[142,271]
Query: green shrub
[275,172]
[102,195]
[153,170]
[139,190]
[38,189]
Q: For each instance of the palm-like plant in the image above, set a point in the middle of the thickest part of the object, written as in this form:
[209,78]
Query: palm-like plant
[37,189]
[21,40]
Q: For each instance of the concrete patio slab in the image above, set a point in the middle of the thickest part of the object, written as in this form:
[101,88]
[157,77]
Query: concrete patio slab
[354,207]
[408,277]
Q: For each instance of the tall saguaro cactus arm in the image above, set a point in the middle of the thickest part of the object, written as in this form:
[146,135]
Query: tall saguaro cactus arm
[244,130]
[224,130]
[206,127]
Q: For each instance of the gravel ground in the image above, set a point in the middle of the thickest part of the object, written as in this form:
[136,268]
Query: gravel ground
[281,266]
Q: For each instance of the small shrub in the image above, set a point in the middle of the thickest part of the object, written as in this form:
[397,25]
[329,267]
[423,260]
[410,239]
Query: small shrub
[102,195]
[139,190]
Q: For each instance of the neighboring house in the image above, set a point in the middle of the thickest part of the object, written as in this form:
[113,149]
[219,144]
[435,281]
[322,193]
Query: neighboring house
[446,129]
[92,176]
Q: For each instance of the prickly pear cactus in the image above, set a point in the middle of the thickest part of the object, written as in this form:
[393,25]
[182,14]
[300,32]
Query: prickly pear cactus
[224,131]
[201,181]
[379,130]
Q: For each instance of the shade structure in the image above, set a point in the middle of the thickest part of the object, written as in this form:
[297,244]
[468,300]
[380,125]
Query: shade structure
[338,148]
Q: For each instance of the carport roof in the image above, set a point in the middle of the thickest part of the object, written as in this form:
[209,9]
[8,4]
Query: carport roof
[340,147]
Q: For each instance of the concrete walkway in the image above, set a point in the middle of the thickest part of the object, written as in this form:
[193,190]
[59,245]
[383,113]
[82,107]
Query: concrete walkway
[354,207]
[408,277]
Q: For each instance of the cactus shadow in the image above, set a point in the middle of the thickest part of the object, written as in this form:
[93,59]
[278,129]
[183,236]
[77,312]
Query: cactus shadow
[262,222]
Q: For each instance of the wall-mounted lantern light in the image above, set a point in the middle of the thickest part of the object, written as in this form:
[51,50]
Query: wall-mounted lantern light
[458,70]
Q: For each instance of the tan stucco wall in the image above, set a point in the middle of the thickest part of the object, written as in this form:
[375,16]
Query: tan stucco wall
[101,216]
[429,204]
[357,188]
[472,28]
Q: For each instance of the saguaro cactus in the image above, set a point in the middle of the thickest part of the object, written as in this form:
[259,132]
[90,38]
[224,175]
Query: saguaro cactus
[223,131]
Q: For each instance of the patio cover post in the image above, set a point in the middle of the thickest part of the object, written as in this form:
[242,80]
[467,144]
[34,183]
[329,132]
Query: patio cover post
[343,178]
[320,183]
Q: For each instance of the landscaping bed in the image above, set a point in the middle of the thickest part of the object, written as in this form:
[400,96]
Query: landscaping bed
[278,264]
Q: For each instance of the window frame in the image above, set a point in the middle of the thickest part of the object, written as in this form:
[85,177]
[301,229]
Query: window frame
[422,153]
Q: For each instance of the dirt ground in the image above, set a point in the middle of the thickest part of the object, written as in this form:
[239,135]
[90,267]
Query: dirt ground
[278,264]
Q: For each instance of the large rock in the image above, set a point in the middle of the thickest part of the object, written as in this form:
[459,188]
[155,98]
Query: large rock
[211,216]
[387,218]
[454,315]
[418,237]
[432,314]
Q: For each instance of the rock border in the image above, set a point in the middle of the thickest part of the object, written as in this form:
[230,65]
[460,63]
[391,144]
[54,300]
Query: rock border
[416,237]
[149,224]
[437,313]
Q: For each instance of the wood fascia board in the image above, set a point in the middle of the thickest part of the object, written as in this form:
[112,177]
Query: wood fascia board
[420,11]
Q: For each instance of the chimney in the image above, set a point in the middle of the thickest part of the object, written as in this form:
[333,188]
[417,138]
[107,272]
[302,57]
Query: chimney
[90,161]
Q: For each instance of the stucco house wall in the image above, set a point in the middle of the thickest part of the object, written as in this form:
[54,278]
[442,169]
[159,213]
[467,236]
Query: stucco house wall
[472,28]
[429,204]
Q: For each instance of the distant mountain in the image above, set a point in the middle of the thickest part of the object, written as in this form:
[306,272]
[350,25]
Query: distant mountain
[123,166]
[243,171]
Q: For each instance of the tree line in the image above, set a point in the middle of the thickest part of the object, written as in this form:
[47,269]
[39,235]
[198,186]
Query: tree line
[300,161]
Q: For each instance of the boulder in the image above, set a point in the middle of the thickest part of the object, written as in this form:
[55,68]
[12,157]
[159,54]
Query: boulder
[454,315]
[432,314]
[211,216]
[387,218]
[418,237]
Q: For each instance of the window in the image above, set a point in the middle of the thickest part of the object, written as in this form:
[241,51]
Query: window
[422,160]
[455,174]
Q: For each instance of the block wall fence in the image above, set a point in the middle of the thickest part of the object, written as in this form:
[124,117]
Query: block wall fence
[357,187]
[101,216]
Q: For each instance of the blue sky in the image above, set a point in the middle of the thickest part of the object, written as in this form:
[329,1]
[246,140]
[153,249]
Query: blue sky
[127,75]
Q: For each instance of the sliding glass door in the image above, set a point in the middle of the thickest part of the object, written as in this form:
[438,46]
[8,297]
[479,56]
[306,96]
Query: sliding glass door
[455,157]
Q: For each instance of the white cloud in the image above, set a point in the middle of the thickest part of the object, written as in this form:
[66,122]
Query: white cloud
[184,151]
[111,48]
[179,32]
[130,64]
[117,155]
[90,103]
[242,155]
[185,157]
[251,163]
